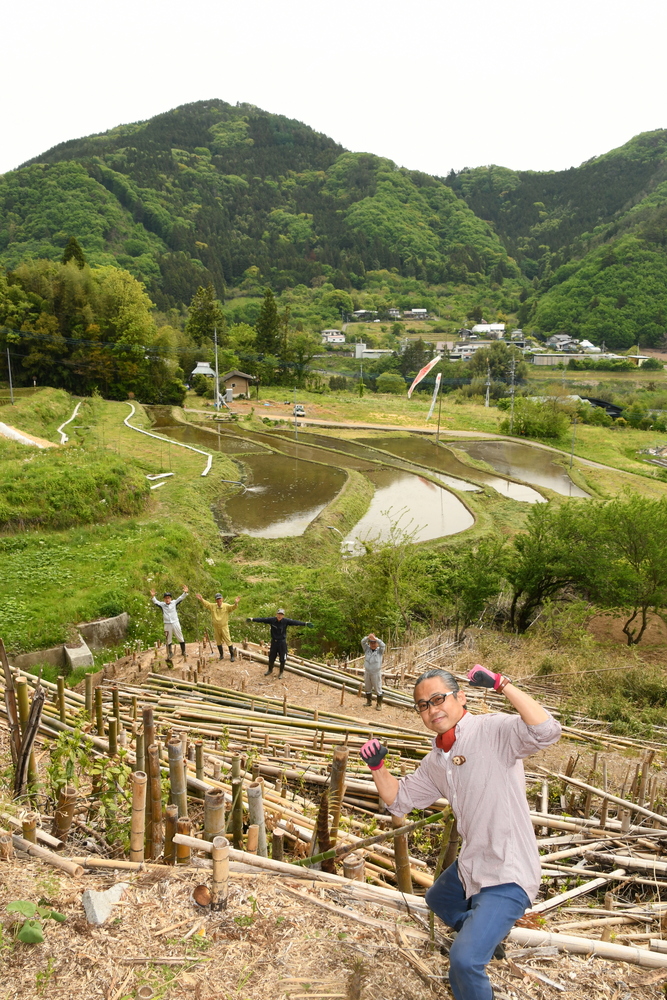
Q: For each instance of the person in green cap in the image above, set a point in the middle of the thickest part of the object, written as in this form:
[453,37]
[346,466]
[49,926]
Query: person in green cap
[220,613]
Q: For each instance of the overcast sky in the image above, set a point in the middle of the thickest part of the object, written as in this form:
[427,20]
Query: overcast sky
[431,84]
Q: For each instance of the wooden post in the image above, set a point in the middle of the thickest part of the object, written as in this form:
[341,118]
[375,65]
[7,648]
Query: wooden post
[23,704]
[284,704]
[256,815]
[179,794]
[214,814]
[252,839]
[115,697]
[401,857]
[64,813]
[29,825]
[342,694]
[88,680]
[171,820]
[237,813]
[154,835]
[138,816]
[608,905]
[10,703]
[61,698]
[337,788]
[220,881]
[183,853]
[277,844]
[113,735]
[354,867]
[199,760]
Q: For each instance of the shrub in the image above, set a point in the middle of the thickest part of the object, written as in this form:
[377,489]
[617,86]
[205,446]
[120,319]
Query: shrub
[391,382]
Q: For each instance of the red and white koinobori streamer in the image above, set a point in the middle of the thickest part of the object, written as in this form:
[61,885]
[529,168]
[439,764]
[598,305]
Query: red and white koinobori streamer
[438,378]
[423,373]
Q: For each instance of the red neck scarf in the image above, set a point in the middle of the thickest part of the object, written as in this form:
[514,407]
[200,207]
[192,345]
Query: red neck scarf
[445,741]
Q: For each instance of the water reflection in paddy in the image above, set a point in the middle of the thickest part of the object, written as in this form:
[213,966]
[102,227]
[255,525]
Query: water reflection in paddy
[534,465]
[428,508]
[423,451]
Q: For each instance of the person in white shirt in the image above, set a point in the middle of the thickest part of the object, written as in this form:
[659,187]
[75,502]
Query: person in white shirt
[172,626]
[373,652]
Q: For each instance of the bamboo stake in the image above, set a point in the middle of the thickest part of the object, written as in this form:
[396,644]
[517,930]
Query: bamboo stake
[29,827]
[403,874]
[99,712]
[179,793]
[61,699]
[337,788]
[612,798]
[11,707]
[42,835]
[138,821]
[139,755]
[170,830]
[112,725]
[277,844]
[256,816]
[23,705]
[587,946]
[62,819]
[214,814]
[154,832]
[183,827]
[343,849]
[237,812]
[252,838]
[581,890]
[220,882]
[354,867]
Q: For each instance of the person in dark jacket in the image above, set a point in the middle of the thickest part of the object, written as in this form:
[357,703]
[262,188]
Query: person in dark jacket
[279,625]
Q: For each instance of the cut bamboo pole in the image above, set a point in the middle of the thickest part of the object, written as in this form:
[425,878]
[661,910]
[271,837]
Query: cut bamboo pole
[140,755]
[42,835]
[99,712]
[23,705]
[587,946]
[71,867]
[277,844]
[29,827]
[220,881]
[581,890]
[612,798]
[183,827]
[237,813]
[337,789]
[112,726]
[62,707]
[64,813]
[199,759]
[256,816]
[214,814]
[154,833]
[354,867]
[179,795]
[252,838]
[88,681]
[138,821]
[403,874]
[170,830]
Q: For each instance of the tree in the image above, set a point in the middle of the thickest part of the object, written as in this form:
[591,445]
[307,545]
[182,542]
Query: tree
[268,326]
[73,252]
[467,579]
[391,382]
[498,357]
[414,357]
[205,316]
[301,349]
[627,560]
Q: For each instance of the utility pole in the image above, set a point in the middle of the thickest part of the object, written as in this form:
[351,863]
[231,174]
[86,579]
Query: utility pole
[9,369]
[296,423]
[512,390]
[217,375]
[488,383]
[361,376]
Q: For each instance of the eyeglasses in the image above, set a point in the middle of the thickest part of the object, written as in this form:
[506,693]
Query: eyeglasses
[437,699]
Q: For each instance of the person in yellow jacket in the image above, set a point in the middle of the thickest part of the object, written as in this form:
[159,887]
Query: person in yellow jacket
[220,613]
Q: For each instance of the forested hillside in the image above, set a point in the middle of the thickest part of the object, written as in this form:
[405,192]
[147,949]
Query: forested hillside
[208,191]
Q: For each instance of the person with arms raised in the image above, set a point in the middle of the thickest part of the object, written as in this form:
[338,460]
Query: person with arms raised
[476,764]
[278,647]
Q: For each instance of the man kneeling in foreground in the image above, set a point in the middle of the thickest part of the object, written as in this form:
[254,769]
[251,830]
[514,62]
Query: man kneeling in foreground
[476,764]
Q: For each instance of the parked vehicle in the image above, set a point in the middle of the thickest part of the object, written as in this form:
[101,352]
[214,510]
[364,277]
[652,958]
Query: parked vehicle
[299,410]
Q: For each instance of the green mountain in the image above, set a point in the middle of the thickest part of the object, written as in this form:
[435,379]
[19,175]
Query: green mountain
[208,191]
[593,240]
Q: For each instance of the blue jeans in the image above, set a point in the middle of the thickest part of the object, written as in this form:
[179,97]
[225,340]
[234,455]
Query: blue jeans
[482,921]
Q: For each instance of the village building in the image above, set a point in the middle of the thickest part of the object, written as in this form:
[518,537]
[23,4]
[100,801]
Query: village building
[238,382]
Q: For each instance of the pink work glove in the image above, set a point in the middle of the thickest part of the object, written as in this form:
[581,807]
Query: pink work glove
[479,676]
[372,753]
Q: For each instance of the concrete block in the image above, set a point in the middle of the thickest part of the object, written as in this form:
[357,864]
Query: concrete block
[78,656]
[24,661]
[105,631]
[98,906]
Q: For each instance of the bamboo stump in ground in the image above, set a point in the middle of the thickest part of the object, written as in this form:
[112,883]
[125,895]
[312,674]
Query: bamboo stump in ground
[220,884]
[256,814]
[64,814]
[138,816]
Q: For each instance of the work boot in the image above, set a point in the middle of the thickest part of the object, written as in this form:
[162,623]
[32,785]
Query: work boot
[183,653]
[269,671]
[369,699]
[232,653]
[222,652]
[499,952]
[282,671]
[379,703]
[169,654]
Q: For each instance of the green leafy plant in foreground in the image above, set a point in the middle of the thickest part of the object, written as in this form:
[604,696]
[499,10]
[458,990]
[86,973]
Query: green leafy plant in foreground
[31,930]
